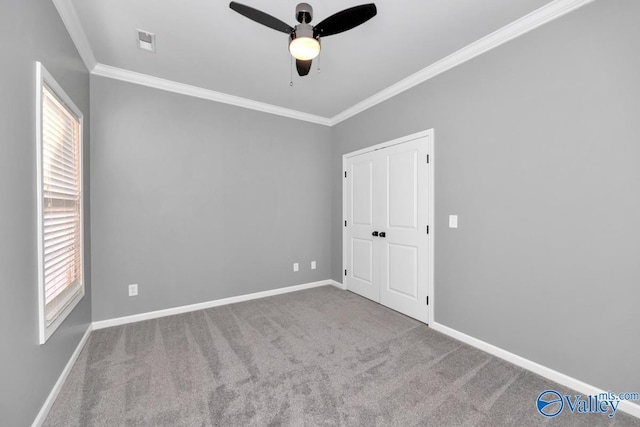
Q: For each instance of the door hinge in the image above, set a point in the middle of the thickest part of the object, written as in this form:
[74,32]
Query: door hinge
[345,223]
[427,158]
[427,229]
[427,299]
[345,174]
[345,272]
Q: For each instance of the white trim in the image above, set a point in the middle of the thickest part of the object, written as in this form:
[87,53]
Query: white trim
[203,305]
[48,403]
[431,218]
[548,373]
[198,92]
[46,407]
[627,406]
[71,21]
[338,285]
[429,134]
[43,77]
[42,322]
[538,17]
[535,19]
[345,260]
[425,133]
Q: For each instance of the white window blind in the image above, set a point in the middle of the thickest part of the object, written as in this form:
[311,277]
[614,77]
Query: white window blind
[60,193]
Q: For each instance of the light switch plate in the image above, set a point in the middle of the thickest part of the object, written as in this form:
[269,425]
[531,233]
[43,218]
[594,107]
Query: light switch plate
[453,221]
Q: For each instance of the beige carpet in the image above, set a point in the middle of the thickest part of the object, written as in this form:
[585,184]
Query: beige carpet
[317,357]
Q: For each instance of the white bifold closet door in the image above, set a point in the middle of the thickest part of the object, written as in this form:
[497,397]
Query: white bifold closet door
[386,233]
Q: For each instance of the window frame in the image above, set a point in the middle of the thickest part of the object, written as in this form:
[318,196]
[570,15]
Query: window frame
[44,78]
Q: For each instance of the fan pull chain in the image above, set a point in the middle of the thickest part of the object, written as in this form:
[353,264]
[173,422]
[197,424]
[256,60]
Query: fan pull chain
[291,72]
[318,63]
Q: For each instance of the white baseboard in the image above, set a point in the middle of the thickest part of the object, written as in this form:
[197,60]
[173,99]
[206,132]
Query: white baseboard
[548,373]
[200,306]
[42,415]
[338,285]
[560,378]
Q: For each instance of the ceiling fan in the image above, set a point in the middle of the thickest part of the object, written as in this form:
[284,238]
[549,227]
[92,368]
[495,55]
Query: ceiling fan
[304,39]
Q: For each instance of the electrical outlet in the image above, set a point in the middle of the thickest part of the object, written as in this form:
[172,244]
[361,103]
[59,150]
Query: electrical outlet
[133,290]
[295,266]
[313,265]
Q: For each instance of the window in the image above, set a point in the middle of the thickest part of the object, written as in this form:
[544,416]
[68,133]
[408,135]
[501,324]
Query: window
[59,192]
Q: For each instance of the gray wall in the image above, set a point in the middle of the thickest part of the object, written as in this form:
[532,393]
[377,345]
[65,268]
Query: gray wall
[30,31]
[537,151]
[195,200]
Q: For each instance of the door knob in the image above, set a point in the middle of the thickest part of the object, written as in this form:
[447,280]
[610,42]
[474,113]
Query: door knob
[375,233]
[382,234]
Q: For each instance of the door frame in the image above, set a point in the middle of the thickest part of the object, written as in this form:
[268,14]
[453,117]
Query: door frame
[429,134]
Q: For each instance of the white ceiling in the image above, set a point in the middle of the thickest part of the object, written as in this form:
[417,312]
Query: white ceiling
[205,44]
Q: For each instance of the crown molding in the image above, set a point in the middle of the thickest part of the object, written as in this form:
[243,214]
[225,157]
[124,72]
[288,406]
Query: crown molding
[538,17]
[541,16]
[198,92]
[70,20]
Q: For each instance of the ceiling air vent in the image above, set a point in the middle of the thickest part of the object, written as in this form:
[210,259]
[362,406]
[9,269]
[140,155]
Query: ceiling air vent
[146,41]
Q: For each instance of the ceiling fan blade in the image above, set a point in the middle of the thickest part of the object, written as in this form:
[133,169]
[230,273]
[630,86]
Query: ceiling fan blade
[345,20]
[303,67]
[261,17]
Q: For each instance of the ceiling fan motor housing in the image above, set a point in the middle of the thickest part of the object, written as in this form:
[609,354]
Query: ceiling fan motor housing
[302,30]
[304,13]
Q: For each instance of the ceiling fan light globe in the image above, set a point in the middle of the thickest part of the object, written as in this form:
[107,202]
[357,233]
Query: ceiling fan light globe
[304,48]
